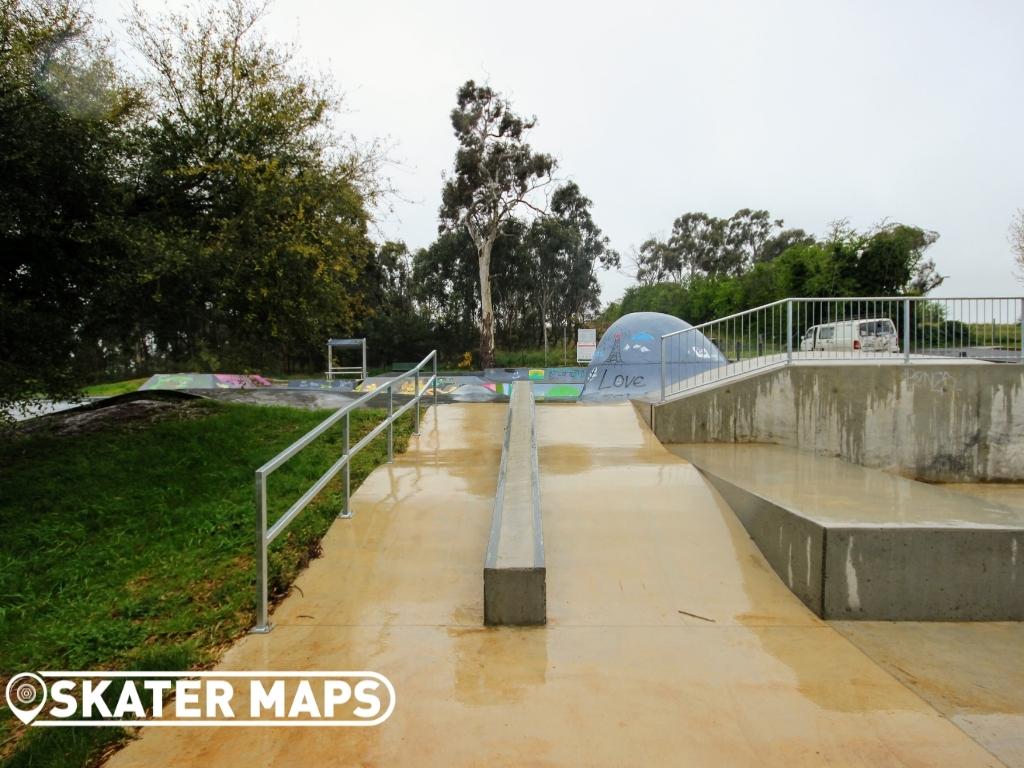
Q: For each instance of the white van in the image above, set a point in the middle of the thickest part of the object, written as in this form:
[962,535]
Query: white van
[877,334]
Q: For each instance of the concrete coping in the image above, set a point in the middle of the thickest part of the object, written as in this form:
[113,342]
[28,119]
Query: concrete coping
[514,572]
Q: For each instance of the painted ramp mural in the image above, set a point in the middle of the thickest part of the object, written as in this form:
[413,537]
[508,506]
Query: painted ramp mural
[628,363]
[205,381]
[480,389]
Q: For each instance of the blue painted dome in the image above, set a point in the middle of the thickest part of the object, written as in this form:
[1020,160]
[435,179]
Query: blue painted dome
[627,362]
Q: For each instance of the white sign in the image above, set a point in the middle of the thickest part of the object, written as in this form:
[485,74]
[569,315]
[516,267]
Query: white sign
[210,698]
[586,344]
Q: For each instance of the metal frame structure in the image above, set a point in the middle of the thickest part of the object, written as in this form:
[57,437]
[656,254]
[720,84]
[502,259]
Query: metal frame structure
[264,534]
[764,337]
[350,370]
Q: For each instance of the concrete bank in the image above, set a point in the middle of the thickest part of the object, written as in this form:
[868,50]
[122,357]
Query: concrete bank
[858,543]
[933,422]
[514,576]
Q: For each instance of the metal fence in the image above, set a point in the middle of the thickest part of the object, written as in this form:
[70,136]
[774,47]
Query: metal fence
[264,534]
[897,329]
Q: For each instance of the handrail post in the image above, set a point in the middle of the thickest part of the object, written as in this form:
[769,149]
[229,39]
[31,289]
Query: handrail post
[262,622]
[435,385]
[346,510]
[663,378]
[906,331]
[391,424]
[1022,330]
[416,404]
[789,331]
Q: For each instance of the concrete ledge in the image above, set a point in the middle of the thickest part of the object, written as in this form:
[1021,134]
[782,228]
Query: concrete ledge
[515,589]
[794,546]
[857,543]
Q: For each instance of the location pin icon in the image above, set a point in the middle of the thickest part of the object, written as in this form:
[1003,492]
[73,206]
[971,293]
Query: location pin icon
[26,695]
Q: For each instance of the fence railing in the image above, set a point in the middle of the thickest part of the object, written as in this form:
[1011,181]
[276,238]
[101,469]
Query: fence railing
[266,534]
[900,329]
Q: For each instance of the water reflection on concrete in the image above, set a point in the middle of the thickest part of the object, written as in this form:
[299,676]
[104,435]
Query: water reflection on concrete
[670,641]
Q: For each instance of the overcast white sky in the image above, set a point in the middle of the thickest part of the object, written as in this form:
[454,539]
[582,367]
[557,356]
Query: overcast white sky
[813,110]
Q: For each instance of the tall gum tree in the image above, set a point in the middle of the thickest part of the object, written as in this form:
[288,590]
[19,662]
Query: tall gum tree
[496,171]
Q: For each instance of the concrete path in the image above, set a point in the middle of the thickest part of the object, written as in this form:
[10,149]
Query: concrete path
[670,641]
[971,672]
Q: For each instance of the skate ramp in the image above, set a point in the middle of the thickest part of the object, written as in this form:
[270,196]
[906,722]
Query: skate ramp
[669,641]
[858,543]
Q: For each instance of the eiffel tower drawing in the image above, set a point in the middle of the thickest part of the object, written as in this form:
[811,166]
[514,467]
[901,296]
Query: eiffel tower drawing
[615,356]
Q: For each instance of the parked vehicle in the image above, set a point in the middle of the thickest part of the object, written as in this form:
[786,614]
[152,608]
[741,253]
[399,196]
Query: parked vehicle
[876,334]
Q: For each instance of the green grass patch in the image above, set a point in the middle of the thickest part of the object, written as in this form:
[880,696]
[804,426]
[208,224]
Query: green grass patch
[131,547]
[114,388]
[534,358]
[999,335]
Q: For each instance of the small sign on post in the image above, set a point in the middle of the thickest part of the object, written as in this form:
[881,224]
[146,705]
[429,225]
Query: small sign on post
[586,344]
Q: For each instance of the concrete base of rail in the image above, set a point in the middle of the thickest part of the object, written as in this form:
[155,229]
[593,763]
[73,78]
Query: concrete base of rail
[515,590]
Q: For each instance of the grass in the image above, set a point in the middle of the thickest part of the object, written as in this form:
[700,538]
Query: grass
[114,388]
[131,547]
[1006,335]
[534,358]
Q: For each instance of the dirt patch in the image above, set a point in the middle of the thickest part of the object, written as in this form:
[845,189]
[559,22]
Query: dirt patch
[130,414]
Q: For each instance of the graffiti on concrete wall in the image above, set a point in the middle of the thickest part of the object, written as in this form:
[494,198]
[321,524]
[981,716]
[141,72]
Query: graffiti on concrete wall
[936,381]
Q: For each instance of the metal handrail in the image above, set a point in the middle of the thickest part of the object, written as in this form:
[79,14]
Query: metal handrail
[806,299]
[733,316]
[764,326]
[265,535]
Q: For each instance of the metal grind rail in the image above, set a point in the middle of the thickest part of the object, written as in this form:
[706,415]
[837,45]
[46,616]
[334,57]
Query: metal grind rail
[898,329]
[264,534]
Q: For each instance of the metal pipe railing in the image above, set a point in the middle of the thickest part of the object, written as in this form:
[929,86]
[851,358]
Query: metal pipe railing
[264,534]
[848,328]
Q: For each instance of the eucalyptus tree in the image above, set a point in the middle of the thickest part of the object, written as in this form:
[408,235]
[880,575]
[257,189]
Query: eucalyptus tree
[649,262]
[776,245]
[745,234]
[496,172]
[566,248]
[445,286]
[695,245]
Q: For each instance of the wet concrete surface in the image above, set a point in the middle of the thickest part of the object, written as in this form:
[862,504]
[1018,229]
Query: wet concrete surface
[836,492]
[858,543]
[670,641]
[1005,494]
[971,673]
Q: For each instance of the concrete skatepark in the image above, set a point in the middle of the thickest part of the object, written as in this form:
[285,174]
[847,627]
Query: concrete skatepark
[669,638]
[573,584]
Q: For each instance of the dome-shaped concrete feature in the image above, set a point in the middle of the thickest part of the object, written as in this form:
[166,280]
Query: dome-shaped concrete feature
[627,362]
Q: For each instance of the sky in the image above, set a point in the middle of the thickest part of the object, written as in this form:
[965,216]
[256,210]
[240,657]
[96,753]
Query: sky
[868,110]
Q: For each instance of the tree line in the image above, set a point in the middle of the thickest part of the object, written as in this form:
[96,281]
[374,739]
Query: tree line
[203,214]
[710,267]
[208,213]
[542,276]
